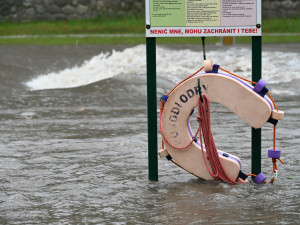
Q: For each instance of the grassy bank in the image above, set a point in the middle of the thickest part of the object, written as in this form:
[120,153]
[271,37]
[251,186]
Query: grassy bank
[123,26]
[91,26]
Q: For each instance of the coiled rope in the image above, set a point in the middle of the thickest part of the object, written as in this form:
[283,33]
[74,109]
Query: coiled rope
[203,119]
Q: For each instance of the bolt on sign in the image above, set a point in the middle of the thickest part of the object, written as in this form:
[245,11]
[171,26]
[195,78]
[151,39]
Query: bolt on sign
[200,18]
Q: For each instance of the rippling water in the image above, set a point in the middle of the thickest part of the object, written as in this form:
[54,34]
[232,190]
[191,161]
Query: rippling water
[79,155]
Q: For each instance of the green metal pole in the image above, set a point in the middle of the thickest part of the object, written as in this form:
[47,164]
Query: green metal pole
[256,133]
[152,109]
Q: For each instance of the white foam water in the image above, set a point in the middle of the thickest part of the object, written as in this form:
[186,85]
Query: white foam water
[171,64]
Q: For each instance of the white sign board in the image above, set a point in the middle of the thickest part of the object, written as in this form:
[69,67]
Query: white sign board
[200,18]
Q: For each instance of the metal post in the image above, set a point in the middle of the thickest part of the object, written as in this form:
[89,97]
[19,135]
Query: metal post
[256,133]
[152,109]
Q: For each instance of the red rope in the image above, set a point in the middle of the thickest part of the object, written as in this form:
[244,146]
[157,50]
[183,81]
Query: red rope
[218,171]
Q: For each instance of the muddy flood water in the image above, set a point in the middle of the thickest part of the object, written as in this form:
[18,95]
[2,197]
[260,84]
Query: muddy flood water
[73,138]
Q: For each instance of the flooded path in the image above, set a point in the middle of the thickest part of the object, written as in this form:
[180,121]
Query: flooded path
[79,155]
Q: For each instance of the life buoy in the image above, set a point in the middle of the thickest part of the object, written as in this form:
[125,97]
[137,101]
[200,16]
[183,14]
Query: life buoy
[222,88]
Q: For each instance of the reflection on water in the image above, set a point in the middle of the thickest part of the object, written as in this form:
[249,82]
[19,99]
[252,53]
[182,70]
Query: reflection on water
[63,165]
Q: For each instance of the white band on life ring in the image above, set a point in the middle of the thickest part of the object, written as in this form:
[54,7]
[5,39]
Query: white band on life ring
[277,115]
[208,65]
[163,153]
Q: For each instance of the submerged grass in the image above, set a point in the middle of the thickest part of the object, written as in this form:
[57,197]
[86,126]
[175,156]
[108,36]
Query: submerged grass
[138,40]
[129,25]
